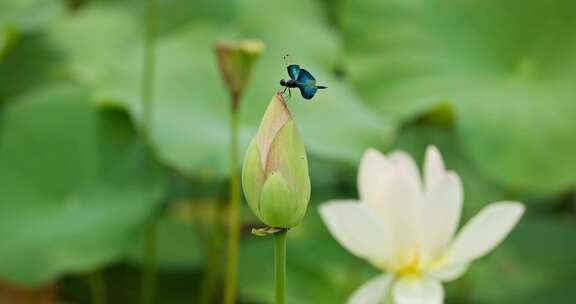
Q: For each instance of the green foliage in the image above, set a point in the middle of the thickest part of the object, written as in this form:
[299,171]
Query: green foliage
[533,273]
[179,244]
[29,15]
[491,83]
[76,185]
[509,81]
[190,126]
[19,17]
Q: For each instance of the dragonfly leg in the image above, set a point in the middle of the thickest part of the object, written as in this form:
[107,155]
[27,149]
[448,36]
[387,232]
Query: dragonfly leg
[289,95]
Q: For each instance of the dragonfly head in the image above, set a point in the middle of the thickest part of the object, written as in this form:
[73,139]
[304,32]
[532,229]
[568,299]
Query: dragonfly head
[283,82]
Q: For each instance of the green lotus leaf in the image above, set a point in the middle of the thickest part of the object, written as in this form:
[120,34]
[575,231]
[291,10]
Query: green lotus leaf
[510,82]
[76,186]
[19,17]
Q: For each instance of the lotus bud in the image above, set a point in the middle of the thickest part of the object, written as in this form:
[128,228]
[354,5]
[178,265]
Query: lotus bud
[275,172]
[237,60]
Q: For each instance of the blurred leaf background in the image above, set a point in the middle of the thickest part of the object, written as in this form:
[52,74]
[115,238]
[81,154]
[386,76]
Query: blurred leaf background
[492,83]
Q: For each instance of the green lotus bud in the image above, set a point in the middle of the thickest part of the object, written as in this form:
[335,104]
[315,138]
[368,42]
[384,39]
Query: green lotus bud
[275,172]
[237,60]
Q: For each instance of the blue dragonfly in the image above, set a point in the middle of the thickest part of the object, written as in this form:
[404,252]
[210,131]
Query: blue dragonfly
[301,79]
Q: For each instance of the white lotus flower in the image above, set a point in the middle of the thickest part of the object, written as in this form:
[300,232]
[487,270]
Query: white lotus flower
[407,227]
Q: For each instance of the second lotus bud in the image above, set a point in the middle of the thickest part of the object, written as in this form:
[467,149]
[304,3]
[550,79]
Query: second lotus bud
[237,60]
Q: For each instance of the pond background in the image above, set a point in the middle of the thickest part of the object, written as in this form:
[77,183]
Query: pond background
[492,83]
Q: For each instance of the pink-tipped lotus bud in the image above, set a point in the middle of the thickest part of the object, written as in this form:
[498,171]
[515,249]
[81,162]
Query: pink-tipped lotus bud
[275,172]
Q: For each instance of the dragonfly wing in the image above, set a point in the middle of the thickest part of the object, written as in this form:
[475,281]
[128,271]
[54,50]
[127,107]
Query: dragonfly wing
[293,71]
[306,84]
[304,76]
[307,91]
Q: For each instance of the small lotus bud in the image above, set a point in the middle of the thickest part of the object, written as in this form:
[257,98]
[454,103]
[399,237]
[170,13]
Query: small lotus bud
[275,172]
[236,62]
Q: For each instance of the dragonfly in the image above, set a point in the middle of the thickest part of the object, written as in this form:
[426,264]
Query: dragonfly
[301,79]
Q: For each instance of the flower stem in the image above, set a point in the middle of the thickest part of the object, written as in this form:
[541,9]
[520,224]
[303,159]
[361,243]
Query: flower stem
[148,287]
[280,265]
[149,274]
[148,68]
[97,288]
[233,209]
[212,266]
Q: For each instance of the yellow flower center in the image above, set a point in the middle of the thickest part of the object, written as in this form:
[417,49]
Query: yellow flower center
[412,268]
